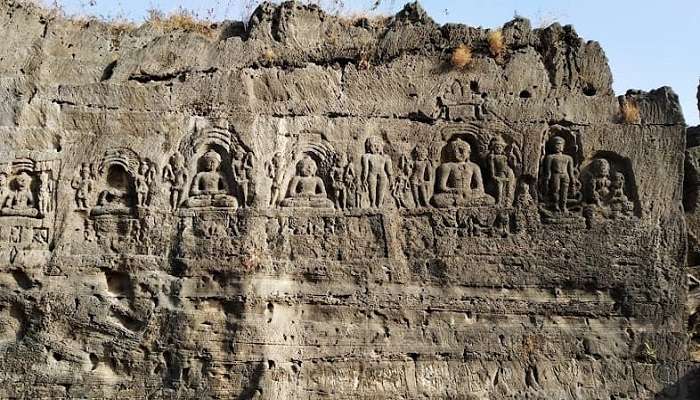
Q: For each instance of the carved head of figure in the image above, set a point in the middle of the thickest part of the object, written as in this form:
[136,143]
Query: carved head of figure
[618,180]
[177,160]
[306,167]
[497,145]
[23,181]
[212,160]
[601,168]
[3,179]
[143,167]
[558,144]
[420,152]
[459,150]
[238,153]
[341,160]
[374,145]
[85,171]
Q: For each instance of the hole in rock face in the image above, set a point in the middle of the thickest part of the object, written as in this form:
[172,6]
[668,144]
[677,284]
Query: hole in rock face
[474,86]
[525,94]
[94,361]
[589,90]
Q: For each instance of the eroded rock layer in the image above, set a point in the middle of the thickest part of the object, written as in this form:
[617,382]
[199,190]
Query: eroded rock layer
[311,207]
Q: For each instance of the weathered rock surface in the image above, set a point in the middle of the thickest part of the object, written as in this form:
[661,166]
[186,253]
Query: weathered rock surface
[312,208]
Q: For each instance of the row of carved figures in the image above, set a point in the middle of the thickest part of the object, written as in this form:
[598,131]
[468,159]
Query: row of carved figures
[455,182]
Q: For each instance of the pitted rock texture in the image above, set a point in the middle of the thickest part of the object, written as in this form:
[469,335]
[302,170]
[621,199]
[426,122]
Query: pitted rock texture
[311,207]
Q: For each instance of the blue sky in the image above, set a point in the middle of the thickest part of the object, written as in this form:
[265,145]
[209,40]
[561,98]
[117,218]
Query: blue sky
[648,43]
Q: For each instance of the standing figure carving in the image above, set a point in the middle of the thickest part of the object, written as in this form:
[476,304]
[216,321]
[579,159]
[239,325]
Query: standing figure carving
[306,189]
[243,173]
[21,201]
[501,172]
[340,189]
[351,184]
[422,176]
[209,188]
[377,171]
[274,172]
[46,189]
[4,188]
[559,177]
[83,185]
[141,184]
[458,181]
[401,188]
[175,174]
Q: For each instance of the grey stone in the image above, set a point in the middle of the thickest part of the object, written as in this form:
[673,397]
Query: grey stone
[313,207]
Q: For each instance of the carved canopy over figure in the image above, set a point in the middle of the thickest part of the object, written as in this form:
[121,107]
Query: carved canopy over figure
[209,188]
[306,189]
[21,202]
[459,182]
[377,171]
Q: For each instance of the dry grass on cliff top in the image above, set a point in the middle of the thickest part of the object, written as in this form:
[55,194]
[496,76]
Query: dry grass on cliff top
[180,19]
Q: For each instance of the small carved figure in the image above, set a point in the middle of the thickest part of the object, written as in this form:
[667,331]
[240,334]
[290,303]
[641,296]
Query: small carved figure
[421,176]
[619,202]
[523,198]
[599,184]
[175,174]
[501,172]
[401,188]
[83,186]
[45,192]
[559,178]
[350,179]
[340,189]
[151,181]
[209,188]
[243,173]
[377,171]
[458,181]
[306,189]
[4,189]
[21,201]
[140,181]
[274,172]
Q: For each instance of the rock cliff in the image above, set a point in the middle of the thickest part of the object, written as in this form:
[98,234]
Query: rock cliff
[312,207]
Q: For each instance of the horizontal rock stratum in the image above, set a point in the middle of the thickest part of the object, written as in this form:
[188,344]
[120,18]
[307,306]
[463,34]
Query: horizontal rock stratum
[312,207]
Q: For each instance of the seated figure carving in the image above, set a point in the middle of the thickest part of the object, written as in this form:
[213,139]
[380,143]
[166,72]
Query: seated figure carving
[209,188]
[458,181]
[306,189]
[21,201]
[619,202]
[600,182]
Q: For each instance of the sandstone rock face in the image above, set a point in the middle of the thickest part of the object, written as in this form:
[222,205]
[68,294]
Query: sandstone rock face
[309,207]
